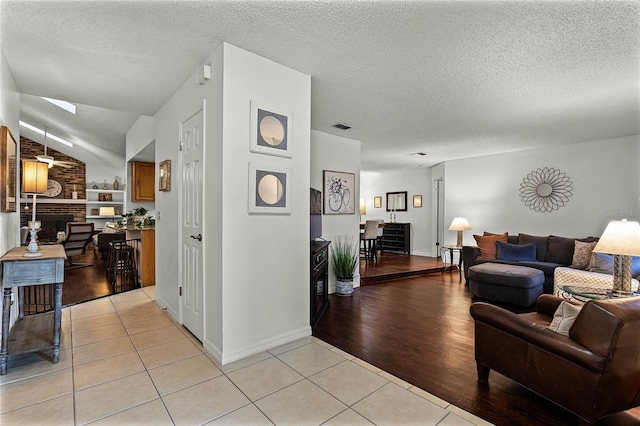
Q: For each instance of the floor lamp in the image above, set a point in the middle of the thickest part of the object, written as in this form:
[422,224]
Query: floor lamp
[34,181]
[622,240]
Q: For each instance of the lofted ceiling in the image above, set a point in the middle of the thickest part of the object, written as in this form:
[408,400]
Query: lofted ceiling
[451,79]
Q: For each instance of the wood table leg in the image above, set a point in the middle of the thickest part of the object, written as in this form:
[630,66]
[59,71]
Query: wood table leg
[6,313]
[57,322]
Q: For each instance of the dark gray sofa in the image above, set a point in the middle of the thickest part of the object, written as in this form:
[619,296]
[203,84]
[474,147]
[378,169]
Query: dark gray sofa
[551,252]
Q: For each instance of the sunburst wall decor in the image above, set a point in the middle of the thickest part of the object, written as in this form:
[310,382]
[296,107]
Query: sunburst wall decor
[546,189]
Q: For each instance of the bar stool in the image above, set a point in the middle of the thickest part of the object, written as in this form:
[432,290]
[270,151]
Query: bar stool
[122,270]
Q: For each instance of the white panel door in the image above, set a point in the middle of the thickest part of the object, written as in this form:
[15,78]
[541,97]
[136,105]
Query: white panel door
[191,222]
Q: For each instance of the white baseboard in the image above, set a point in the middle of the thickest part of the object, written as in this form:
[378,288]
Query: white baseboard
[165,305]
[226,358]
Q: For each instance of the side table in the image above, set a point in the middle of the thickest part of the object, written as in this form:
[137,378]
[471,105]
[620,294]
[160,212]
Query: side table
[583,293]
[33,332]
[451,250]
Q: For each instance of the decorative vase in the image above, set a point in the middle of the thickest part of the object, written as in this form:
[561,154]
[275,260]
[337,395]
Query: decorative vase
[105,186]
[344,287]
[94,186]
[116,185]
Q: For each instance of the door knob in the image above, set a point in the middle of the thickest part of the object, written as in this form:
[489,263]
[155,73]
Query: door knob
[197,237]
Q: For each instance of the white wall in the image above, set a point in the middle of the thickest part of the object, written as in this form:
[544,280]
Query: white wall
[266,257]
[606,186]
[329,152]
[141,134]
[415,182]
[9,116]
[256,266]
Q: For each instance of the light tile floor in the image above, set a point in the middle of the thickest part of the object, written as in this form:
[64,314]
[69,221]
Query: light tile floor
[124,361]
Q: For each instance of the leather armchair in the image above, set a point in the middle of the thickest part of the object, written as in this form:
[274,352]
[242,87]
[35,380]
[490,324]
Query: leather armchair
[593,372]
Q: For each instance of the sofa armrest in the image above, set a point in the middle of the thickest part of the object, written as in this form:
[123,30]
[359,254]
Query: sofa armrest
[469,256]
[537,335]
[548,304]
[566,276]
[105,238]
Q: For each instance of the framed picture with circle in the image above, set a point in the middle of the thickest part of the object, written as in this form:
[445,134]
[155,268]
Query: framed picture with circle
[269,189]
[270,130]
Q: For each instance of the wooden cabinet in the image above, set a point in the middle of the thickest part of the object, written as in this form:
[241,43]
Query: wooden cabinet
[396,237]
[143,176]
[319,280]
[146,254]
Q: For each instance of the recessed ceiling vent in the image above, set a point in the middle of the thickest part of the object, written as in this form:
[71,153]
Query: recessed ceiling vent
[419,154]
[341,126]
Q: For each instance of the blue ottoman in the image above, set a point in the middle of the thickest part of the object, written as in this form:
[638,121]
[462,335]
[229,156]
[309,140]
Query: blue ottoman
[516,285]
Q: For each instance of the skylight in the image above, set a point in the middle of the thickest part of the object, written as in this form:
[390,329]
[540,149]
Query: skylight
[41,132]
[62,104]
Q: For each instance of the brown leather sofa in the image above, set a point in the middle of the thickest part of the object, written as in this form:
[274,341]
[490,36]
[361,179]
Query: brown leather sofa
[593,372]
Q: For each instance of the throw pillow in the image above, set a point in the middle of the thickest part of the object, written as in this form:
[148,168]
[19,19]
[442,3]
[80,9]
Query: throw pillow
[487,244]
[635,266]
[108,229]
[560,250]
[564,317]
[516,252]
[582,254]
[540,242]
[602,263]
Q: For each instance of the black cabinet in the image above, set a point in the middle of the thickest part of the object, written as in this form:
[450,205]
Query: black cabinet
[396,237]
[319,280]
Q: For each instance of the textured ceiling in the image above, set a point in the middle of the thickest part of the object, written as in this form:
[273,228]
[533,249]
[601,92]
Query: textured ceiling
[452,79]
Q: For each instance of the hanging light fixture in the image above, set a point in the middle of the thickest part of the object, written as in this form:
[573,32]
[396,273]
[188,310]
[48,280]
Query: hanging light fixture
[45,158]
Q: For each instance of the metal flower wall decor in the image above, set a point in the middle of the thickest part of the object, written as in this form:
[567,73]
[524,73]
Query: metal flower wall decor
[546,189]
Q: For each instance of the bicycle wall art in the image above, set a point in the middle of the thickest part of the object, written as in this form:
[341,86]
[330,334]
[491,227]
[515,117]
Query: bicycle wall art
[339,192]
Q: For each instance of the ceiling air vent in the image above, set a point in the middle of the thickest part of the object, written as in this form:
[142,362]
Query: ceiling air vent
[419,154]
[341,126]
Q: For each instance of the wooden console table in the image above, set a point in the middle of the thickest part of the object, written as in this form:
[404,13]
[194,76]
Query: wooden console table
[33,332]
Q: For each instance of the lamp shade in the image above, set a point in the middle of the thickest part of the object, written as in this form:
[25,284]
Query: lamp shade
[363,207]
[459,224]
[107,211]
[620,237]
[34,177]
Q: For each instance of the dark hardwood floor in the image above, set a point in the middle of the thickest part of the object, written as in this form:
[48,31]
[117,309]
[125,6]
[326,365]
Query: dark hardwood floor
[83,284]
[419,329]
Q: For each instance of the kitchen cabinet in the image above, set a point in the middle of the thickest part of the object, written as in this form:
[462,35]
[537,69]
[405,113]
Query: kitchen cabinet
[143,176]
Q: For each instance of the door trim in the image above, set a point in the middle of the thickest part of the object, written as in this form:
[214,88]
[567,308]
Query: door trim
[178,253]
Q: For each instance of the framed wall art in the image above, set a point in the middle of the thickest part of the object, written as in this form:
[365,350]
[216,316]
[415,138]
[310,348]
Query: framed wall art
[397,201]
[417,201]
[269,189]
[105,197]
[8,164]
[339,192]
[270,130]
[377,202]
[164,183]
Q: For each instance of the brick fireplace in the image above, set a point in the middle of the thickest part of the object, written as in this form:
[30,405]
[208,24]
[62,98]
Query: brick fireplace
[54,211]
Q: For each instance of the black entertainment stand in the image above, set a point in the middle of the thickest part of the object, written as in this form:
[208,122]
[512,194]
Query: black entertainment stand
[319,291]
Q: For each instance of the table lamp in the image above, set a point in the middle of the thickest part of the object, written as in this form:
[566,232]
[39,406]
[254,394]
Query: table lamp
[107,211]
[622,240]
[35,175]
[459,224]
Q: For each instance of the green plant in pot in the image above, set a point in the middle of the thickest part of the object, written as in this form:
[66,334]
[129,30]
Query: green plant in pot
[344,260]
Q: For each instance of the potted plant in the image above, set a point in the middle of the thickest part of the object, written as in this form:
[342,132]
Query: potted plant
[344,260]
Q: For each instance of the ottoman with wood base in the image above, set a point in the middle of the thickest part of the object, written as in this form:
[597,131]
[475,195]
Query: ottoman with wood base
[516,285]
